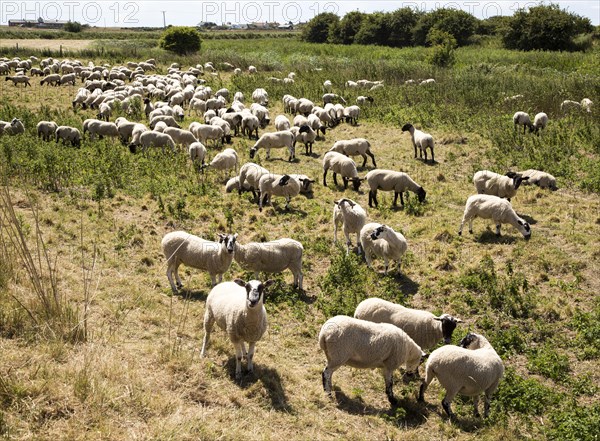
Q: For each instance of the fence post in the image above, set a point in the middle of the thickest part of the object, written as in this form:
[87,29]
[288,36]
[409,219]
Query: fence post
[61,51]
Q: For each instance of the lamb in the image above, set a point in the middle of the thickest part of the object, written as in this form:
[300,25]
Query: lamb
[12,128]
[180,136]
[153,139]
[389,180]
[423,327]
[46,129]
[487,182]
[282,123]
[352,217]
[308,136]
[238,309]
[355,147]
[19,79]
[224,161]
[362,100]
[250,125]
[539,178]
[343,165]
[275,140]
[52,79]
[68,134]
[197,152]
[382,241]
[492,207]
[351,114]
[522,119]
[271,257]
[181,247]
[250,174]
[276,185]
[347,341]
[421,140]
[470,369]
[540,121]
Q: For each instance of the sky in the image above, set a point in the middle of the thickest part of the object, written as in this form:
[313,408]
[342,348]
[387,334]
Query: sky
[126,13]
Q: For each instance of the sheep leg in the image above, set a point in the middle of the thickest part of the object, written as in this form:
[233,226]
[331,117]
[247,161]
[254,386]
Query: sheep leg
[326,377]
[497,230]
[373,198]
[239,353]
[250,356]
[424,151]
[396,198]
[486,405]
[348,242]
[325,178]
[432,158]
[170,277]
[364,160]
[475,406]
[386,263]
[358,244]
[402,199]
[335,178]
[345,180]
[373,158]
[209,322]
[389,386]
[213,279]
[447,402]
[368,259]
[415,146]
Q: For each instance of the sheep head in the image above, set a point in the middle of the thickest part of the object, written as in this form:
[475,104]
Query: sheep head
[407,127]
[228,241]
[448,325]
[421,194]
[284,180]
[255,290]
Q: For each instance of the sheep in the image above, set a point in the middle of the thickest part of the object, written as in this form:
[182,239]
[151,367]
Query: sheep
[587,105]
[492,207]
[52,79]
[104,111]
[352,217]
[305,106]
[224,125]
[343,165]
[307,135]
[315,123]
[168,120]
[250,174]
[325,116]
[470,369]
[540,121]
[347,341]
[198,105]
[262,113]
[252,70]
[181,247]
[355,147]
[102,129]
[427,81]
[250,125]
[331,97]
[180,136]
[233,184]
[160,126]
[522,119]
[276,185]
[224,161]
[260,96]
[153,139]
[205,132]
[238,309]
[45,129]
[306,184]
[351,114]
[197,152]
[271,257]
[389,180]
[275,140]
[12,128]
[487,182]
[234,119]
[421,140]
[68,134]
[282,123]
[362,100]
[423,327]
[68,79]
[568,105]
[125,129]
[19,79]
[539,178]
[382,241]
[327,86]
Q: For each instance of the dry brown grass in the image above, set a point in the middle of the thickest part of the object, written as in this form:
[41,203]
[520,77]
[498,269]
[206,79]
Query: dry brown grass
[54,45]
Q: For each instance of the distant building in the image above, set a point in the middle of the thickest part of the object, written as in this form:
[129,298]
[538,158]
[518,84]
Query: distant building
[39,23]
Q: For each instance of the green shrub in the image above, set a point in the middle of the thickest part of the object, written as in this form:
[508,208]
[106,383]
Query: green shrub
[575,423]
[318,28]
[73,26]
[443,48]
[523,395]
[181,39]
[546,361]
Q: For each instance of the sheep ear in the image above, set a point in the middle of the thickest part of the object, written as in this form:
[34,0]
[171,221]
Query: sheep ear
[511,174]
[439,319]
[424,356]
[240,282]
[268,283]
[458,320]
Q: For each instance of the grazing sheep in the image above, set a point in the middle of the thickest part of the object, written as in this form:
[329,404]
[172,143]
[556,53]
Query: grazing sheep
[252,70]
[125,129]
[307,136]
[52,79]
[362,100]
[275,140]
[423,327]
[224,125]
[306,184]
[250,174]
[539,178]
[327,86]
[46,129]
[352,217]
[382,241]
[153,139]
[315,123]
[355,147]
[338,163]
[19,79]
[197,152]
[205,132]
[568,105]
[104,111]
[215,257]
[180,136]
[250,125]
[470,369]
[587,105]
[540,121]
[160,127]
[68,79]
[68,134]
[271,257]
[347,341]
[262,113]
[224,161]
[421,140]
[167,119]
[351,114]
[487,182]
[260,96]
[102,129]
[492,207]
[238,309]
[277,185]
[388,180]
[522,119]
[282,123]
[12,128]
[305,106]
[331,97]
[234,119]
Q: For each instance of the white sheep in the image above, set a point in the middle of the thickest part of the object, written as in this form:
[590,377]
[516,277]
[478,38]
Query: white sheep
[12,128]
[347,341]
[181,136]
[69,78]
[355,147]
[101,129]
[470,369]
[197,152]
[306,184]
[205,132]
[160,126]
[389,180]
[306,135]
[46,129]
[52,79]
[260,96]
[282,123]
[104,111]
[362,100]
[426,329]
[492,207]
[262,113]
[587,105]
[271,257]
[271,185]
[346,167]
[224,125]
[352,217]
[233,184]
[275,140]
[327,86]
[421,140]
[153,139]
[487,182]
[568,105]
[539,178]
[19,79]
[167,119]
[238,309]
[540,121]
[68,134]
[252,70]
[215,257]
[224,161]
[305,106]
[382,241]
[522,119]
[250,174]
[250,125]
[351,114]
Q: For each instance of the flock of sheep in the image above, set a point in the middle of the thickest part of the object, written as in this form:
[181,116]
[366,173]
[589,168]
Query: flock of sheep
[381,334]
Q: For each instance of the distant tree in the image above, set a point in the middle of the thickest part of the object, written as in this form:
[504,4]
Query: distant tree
[374,29]
[317,29]
[443,47]
[343,32]
[181,39]
[401,22]
[546,28]
[460,24]
[73,26]
[496,25]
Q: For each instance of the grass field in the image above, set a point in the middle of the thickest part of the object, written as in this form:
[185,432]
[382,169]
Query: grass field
[111,354]
[52,45]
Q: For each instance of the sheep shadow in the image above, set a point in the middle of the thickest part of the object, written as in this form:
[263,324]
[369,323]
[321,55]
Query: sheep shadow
[191,295]
[489,236]
[428,162]
[530,220]
[270,379]
[407,285]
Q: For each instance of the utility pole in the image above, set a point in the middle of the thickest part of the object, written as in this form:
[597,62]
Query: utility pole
[164,19]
